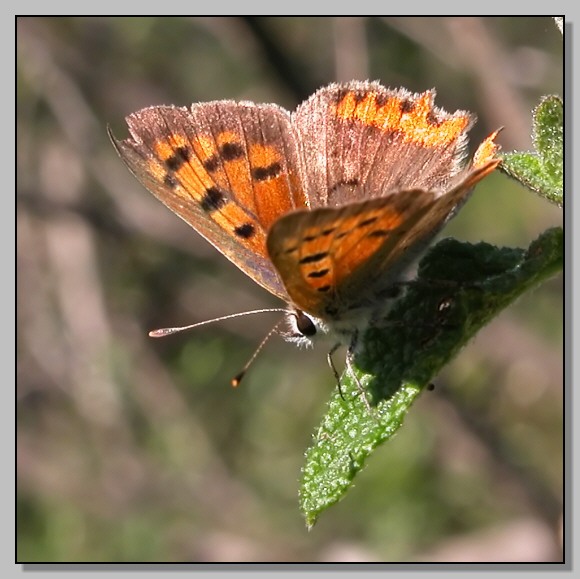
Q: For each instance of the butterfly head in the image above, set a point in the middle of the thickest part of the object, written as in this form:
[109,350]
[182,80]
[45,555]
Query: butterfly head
[302,328]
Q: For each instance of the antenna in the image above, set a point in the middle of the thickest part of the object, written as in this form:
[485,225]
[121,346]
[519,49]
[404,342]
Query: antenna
[162,332]
[238,377]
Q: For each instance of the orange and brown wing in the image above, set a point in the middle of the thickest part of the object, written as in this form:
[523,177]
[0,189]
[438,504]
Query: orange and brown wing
[323,255]
[228,169]
[335,260]
[362,140]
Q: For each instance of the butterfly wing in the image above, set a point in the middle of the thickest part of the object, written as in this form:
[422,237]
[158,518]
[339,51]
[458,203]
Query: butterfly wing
[323,255]
[228,169]
[335,261]
[361,140]
[423,214]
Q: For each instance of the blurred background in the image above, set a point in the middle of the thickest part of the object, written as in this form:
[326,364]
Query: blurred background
[134,449]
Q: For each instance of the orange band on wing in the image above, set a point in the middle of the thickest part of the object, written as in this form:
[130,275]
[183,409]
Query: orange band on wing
[487,151]
[413,118]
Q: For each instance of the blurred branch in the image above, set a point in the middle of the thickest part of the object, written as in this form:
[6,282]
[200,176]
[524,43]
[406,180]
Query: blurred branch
[350,48]
[293,74]
[467,44]
[483,58]
[538,493]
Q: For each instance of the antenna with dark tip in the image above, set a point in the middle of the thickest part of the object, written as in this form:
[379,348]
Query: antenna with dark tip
[162,332]
[238,377]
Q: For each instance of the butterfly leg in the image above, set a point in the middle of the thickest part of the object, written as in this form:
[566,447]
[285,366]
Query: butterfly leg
[349,364]
[333,367]
[350,367]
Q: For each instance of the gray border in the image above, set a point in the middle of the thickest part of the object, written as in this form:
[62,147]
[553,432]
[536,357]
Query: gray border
[570,314]
[209,569]
[569,322]
[411,570]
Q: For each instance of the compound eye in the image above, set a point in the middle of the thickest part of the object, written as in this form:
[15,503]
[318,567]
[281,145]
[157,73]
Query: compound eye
[304,324]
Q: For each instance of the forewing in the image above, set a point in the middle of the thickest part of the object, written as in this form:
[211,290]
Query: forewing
[228,169]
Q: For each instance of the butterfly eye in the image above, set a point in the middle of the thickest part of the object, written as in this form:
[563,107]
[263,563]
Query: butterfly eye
[304,324]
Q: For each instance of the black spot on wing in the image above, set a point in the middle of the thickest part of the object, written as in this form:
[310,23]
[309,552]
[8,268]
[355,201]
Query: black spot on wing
[231,151]
[367,221]
[245,231]
[407,106]
[227,152]
[180,156]
[314,257]
[382,98]
[341,94]
[211,163]
[432,119]
[319,273]
[213,200]
[170,181]
[379,233]
[323,233]
[268,172]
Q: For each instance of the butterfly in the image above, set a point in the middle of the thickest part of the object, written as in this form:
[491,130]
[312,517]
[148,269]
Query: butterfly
[324,207]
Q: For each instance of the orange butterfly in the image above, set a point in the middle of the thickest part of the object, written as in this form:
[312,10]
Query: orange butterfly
[324,207]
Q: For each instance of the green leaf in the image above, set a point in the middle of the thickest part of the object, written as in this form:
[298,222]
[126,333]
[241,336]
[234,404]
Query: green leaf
[459,288]
[549,137]
[542,171]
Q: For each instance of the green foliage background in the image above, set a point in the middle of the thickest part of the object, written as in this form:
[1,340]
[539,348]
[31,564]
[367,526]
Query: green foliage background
[132,449]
